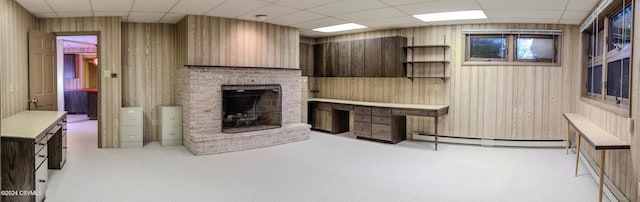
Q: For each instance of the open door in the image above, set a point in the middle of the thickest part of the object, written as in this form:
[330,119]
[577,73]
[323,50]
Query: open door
[42,71]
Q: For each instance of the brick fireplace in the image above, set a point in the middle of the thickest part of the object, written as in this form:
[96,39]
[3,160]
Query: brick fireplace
[200,92]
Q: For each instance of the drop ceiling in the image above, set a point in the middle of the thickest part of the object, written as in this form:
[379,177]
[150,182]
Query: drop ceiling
[309,14]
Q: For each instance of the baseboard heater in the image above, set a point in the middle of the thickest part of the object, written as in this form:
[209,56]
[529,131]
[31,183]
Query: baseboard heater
[490,142]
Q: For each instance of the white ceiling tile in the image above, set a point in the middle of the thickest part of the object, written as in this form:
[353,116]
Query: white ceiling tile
[35,6]
[195,6]
[69,5]
[74,14]
[150,17]
[404,2]
[346,6]
[582,5]
[523,4]
[455,22]
[172,18]
[570,22]
[396,26]
[111,5]
[153,6]
[110,13]
[575,15]
[322,22]
[439,6]
[271,10]
[380,13]
[295,18]
[304,4]
[526,20]
[235,8]
[46,15]
[523,14]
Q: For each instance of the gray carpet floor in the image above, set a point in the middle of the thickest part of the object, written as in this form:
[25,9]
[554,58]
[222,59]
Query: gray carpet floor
[325,168]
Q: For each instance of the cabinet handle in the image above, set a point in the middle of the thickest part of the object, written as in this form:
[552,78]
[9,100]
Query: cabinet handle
[43,144]
[41,155]
[42,181]
[64,147]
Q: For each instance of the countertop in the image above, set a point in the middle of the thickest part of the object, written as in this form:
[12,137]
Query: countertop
[381,104]
[83,89]
[29,124]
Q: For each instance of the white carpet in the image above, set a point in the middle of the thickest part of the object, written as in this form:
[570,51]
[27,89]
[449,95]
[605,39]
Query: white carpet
[325,168]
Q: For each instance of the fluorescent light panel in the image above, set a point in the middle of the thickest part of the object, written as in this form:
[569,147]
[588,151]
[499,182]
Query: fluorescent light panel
[338,28]
[450,16]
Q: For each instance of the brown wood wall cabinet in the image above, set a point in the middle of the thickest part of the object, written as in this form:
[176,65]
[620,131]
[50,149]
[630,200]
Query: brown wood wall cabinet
[29,149]
[69,66]
[376,57]
[376,121]
[75,101]
[306,59]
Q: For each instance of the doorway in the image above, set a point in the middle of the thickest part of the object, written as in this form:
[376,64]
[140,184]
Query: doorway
[78,79]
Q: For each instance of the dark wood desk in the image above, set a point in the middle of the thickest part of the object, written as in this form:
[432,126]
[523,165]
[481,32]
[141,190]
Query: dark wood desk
[373,120]
[32,142]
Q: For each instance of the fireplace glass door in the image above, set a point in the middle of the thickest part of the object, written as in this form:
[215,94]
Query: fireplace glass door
[251,107]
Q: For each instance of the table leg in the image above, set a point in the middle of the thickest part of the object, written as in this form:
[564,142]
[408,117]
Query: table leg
[568,133]
[436,132]
[578,154]
[602,155]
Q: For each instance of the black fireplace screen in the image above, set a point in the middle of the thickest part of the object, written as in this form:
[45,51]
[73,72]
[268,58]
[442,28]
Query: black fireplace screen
[251,107]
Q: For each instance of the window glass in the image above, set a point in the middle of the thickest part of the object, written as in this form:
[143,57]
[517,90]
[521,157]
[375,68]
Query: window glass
[537,49]
[487,47]
[618,78]
[621,29]
[594,79]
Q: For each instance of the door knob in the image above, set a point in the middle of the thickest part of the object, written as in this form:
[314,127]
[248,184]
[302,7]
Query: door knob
[32,100]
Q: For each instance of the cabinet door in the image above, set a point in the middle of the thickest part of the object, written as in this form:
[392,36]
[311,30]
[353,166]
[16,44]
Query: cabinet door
[357,58]
[344,58]
[69,63]
[332,59]
[319,60]
[322,120]
[306,59]
[393,55]
[373,57]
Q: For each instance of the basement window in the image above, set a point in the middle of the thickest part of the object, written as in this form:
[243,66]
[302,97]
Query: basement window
[487,48]
[512,47]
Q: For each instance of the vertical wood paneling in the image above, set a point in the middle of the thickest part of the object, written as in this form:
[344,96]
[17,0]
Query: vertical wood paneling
[148,70]
[502,102]
[233,42]
[15,22]
[109,29]
[635,101]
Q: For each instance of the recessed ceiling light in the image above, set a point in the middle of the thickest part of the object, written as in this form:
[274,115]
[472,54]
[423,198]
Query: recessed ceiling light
[342,27]
[450,16]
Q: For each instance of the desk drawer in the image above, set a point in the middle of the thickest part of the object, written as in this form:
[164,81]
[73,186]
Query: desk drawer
[414,112]
[362,118]
[131,133]
[362,110]
[362,126]
[40,143]
[362,133]
[382,132]
[41,182]
[40,157]
[380,111]
[344,107]
[381,120]
[323,106]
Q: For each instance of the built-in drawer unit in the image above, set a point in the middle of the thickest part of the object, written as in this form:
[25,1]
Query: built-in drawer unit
[362,118]
[131,127]
[362,110]
[380,111]
[170,127]
[343,107]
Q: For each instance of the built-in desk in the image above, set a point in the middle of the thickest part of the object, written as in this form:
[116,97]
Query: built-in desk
[373,120]
[32,142]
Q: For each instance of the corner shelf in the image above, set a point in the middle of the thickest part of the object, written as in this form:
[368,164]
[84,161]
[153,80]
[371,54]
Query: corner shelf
[412,62]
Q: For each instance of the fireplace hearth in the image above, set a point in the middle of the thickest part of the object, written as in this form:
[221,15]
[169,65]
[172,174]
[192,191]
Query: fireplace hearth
[251,107]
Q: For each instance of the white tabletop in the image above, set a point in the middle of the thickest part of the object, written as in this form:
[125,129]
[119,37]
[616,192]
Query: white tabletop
[381,104]
[29,124]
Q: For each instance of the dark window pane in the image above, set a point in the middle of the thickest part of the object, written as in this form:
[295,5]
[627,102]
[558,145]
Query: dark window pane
[487,47]
[621,28]
[618,78]
[535,49]
[594,79]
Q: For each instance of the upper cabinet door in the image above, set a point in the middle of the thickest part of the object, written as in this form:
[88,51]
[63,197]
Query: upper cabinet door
[344,58]
[357,58]
[320,60]
[373,57]
[393,55]
[333,65]
[306,59]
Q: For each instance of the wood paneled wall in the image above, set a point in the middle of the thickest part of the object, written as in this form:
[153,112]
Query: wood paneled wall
[499,102]
[15,22]
[148,70]
[109,94]
[232,42]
